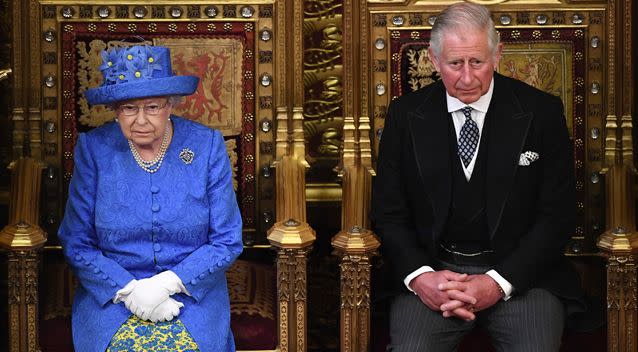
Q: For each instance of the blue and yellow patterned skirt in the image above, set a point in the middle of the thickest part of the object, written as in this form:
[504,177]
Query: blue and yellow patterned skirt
[140,335]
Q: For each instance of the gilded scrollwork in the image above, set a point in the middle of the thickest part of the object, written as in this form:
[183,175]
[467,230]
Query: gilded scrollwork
[327,52]
[324,95]
[322,114]
[317,9]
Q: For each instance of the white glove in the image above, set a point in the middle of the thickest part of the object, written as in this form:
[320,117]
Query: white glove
[166,310]
[141,297]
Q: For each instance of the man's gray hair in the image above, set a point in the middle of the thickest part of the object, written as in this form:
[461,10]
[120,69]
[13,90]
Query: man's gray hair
[461,16]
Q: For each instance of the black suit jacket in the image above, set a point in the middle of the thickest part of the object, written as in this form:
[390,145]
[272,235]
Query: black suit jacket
[530,209]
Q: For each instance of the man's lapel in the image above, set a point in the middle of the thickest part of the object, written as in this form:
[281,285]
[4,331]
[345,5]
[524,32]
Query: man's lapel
[509,125]
[430,138]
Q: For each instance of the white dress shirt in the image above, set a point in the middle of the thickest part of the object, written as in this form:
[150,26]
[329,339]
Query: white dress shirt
[479,110]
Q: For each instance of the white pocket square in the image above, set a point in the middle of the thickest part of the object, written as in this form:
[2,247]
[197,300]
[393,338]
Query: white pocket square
[528,158]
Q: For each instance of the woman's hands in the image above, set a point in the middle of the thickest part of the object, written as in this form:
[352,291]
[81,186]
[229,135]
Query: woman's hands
[149,298]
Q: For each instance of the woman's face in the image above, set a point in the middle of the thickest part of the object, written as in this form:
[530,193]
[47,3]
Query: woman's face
[143,121]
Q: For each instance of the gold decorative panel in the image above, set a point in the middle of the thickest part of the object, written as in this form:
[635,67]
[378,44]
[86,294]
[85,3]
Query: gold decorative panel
[323,92]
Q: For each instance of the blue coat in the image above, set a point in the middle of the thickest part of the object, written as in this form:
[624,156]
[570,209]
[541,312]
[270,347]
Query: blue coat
[123,223]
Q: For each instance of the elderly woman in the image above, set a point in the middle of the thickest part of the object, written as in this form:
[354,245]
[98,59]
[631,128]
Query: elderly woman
[152,222]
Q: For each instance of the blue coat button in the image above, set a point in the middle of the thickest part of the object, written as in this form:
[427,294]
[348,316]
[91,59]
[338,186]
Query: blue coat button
[157,247]
[202,276]
[96,270]
[154,189]
[155,207]
[194,282]
[220,264]
[113,284]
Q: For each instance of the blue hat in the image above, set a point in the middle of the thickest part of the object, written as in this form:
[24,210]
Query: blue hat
[138,72]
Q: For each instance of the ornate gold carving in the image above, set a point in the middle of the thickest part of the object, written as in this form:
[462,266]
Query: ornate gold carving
[297,32]
[628,95]
[23,301]
[421,71]
[13,280]
[355,247]
[327,55]
[30,267]
[611,63]
[620,247]
[291,283]
[14,328]
[318,9]
[322,79]
[355,302]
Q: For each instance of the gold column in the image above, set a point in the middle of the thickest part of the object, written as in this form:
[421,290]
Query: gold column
[353,244]
[23,238]
[291,235]
[294,240]
[620,243]
[355,248]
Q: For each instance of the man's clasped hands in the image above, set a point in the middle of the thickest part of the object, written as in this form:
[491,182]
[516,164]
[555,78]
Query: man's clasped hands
[150,298]
[456,295]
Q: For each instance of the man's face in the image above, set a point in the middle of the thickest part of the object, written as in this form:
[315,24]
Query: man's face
[466,64]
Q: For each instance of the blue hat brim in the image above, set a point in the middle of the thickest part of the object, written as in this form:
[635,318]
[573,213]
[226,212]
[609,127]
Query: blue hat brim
[175,85]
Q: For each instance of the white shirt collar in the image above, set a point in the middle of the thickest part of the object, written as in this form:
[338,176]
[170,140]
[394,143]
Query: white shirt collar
[453,104]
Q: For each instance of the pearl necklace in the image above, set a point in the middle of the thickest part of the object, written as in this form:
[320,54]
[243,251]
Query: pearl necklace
[153,165]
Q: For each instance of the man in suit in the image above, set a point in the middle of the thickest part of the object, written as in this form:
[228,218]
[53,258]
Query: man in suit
[474,200]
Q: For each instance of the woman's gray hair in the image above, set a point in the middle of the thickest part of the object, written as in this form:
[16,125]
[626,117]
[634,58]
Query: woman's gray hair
[175,100]
[460,16]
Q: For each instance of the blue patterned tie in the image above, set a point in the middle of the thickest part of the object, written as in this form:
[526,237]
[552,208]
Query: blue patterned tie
[468,138]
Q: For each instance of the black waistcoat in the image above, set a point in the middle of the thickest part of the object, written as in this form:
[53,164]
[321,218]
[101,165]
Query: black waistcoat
[467,221]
